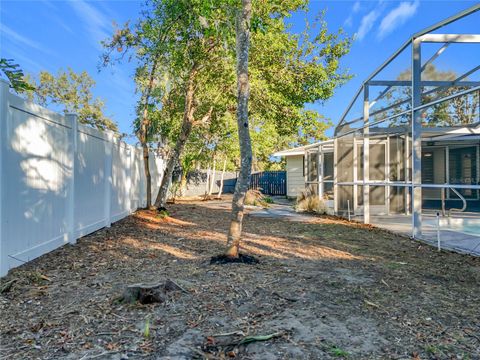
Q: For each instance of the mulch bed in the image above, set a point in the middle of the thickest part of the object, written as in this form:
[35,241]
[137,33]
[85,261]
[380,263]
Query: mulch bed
[321,289]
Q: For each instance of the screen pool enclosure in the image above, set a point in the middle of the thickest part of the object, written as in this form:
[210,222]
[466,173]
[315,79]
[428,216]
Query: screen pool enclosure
[408,144]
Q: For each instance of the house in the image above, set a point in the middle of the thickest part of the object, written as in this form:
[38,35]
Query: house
[421,147]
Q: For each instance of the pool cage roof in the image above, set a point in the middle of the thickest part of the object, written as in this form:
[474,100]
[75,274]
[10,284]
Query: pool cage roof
[416,89]
[377,154]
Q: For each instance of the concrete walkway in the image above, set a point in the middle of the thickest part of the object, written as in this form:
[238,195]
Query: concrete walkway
[278,211]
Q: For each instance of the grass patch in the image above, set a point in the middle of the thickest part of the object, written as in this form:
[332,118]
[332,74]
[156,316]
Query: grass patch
[162,214]
[338,352]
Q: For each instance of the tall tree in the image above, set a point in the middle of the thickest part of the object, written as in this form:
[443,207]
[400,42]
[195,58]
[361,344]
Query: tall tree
[196,48]
[144,124]
[243,92]
[193,41]
[286,71]
[183,36]
[71,92]
[147,53]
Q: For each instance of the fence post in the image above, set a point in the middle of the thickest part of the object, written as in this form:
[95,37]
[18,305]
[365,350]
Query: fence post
[133,186]
[4,92]
[108,137]
[71,235]
[141,173]
[128,151]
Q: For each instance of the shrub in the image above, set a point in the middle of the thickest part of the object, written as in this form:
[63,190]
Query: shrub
[256,198]
[308,201]
[162,214]
[268,199]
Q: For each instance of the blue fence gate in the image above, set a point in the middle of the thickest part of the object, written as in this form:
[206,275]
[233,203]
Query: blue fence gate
[269,182]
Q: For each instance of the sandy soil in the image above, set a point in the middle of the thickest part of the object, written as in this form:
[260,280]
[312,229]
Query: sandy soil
[323,289]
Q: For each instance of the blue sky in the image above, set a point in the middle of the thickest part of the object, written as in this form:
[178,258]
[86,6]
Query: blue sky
[49,35]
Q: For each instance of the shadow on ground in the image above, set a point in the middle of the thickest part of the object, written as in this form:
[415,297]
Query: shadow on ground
[329,288]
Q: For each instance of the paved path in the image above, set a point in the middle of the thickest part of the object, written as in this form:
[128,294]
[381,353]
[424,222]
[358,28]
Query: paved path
[278,211]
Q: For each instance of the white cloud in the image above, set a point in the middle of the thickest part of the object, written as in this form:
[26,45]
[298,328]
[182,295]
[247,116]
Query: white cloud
[27,64]
[96,23]
[60,22]
[21,41]
[397,17]
[16,37]
[355,8]
[367,23]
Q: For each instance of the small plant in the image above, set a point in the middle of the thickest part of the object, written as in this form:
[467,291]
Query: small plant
[308,201]
[431,350]
[146,329]
[337,352]
[162,214]
[268,199]
[256,198]
[37,277]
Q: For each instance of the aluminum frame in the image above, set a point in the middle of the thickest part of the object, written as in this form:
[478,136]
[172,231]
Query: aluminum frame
[413,175]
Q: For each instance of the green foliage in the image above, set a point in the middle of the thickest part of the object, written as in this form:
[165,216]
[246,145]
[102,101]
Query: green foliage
[458,111]
[268,199]
[146,329]
[162,214]
[72,93]
[256,198]
[14,75]
[287,71]
[337,352]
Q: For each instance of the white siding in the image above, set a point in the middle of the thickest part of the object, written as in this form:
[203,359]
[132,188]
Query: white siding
[295,178]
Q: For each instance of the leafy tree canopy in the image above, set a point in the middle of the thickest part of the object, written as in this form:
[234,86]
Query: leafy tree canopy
[14,75]
[287,72]
[72,93]
[457,111]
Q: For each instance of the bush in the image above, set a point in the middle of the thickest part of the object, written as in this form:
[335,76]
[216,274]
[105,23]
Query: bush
[256,198]
[162,214]
[308,201]
[268,199]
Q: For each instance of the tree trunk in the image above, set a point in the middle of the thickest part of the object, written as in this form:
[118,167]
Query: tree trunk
[148,176]
[243,92]
[207,182]
[221,179]
[185,131]
[212,178]
[183,184]
[143,136]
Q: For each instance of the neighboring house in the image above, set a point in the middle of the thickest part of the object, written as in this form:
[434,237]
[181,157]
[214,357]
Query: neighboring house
[295,169]
[419,153]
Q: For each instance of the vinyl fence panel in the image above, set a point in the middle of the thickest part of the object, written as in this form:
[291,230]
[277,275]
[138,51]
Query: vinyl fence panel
[89,204]
[36,166]
[60,180]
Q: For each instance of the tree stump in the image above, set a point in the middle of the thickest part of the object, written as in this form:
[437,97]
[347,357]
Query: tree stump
[149,293]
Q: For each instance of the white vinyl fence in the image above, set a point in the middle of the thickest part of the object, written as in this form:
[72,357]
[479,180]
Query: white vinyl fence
[61,180]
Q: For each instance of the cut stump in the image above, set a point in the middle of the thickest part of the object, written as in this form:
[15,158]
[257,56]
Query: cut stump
[149,293]
[225,259]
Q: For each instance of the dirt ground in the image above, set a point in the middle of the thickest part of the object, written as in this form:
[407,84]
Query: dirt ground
[323,289]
